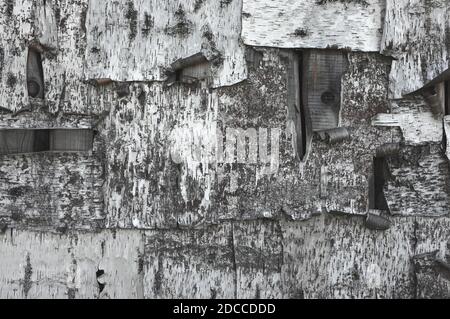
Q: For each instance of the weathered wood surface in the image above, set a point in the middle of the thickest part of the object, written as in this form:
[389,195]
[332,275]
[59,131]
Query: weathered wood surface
[416,34]
[355,25]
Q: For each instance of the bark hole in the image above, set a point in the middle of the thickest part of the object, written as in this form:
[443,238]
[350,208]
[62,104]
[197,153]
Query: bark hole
[99,273]
[35,74]
[191,69]
[302,144]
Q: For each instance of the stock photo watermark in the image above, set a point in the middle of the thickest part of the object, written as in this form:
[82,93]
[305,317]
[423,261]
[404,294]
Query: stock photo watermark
[199,144]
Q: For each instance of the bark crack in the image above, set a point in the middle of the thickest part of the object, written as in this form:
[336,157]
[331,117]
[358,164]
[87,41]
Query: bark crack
[28,271]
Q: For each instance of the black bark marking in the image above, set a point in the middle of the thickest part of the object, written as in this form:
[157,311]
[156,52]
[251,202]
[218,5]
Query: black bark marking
[300,32]
[28,271]
[148,23]
[19,191]
[142,98]
[183,26]
[159,276]
[131,15]
[83,18]
[122,89]
[346,2]
[224,3]
[198,4]
[11,80]
[71,292]
[233,258]
[102,246]
[3,227]
[258,292]
[16,215]
[2,60]
[140,262]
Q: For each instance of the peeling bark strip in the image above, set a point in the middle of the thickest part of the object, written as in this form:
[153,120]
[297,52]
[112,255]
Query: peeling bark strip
[156,149]
[418,124]
[176,29]
[16,24]
[354,25]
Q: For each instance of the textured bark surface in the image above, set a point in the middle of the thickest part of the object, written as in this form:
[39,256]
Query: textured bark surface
[45,265]
[427,165]
[416,34]
[194,187]
[355,25]
[150,35]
